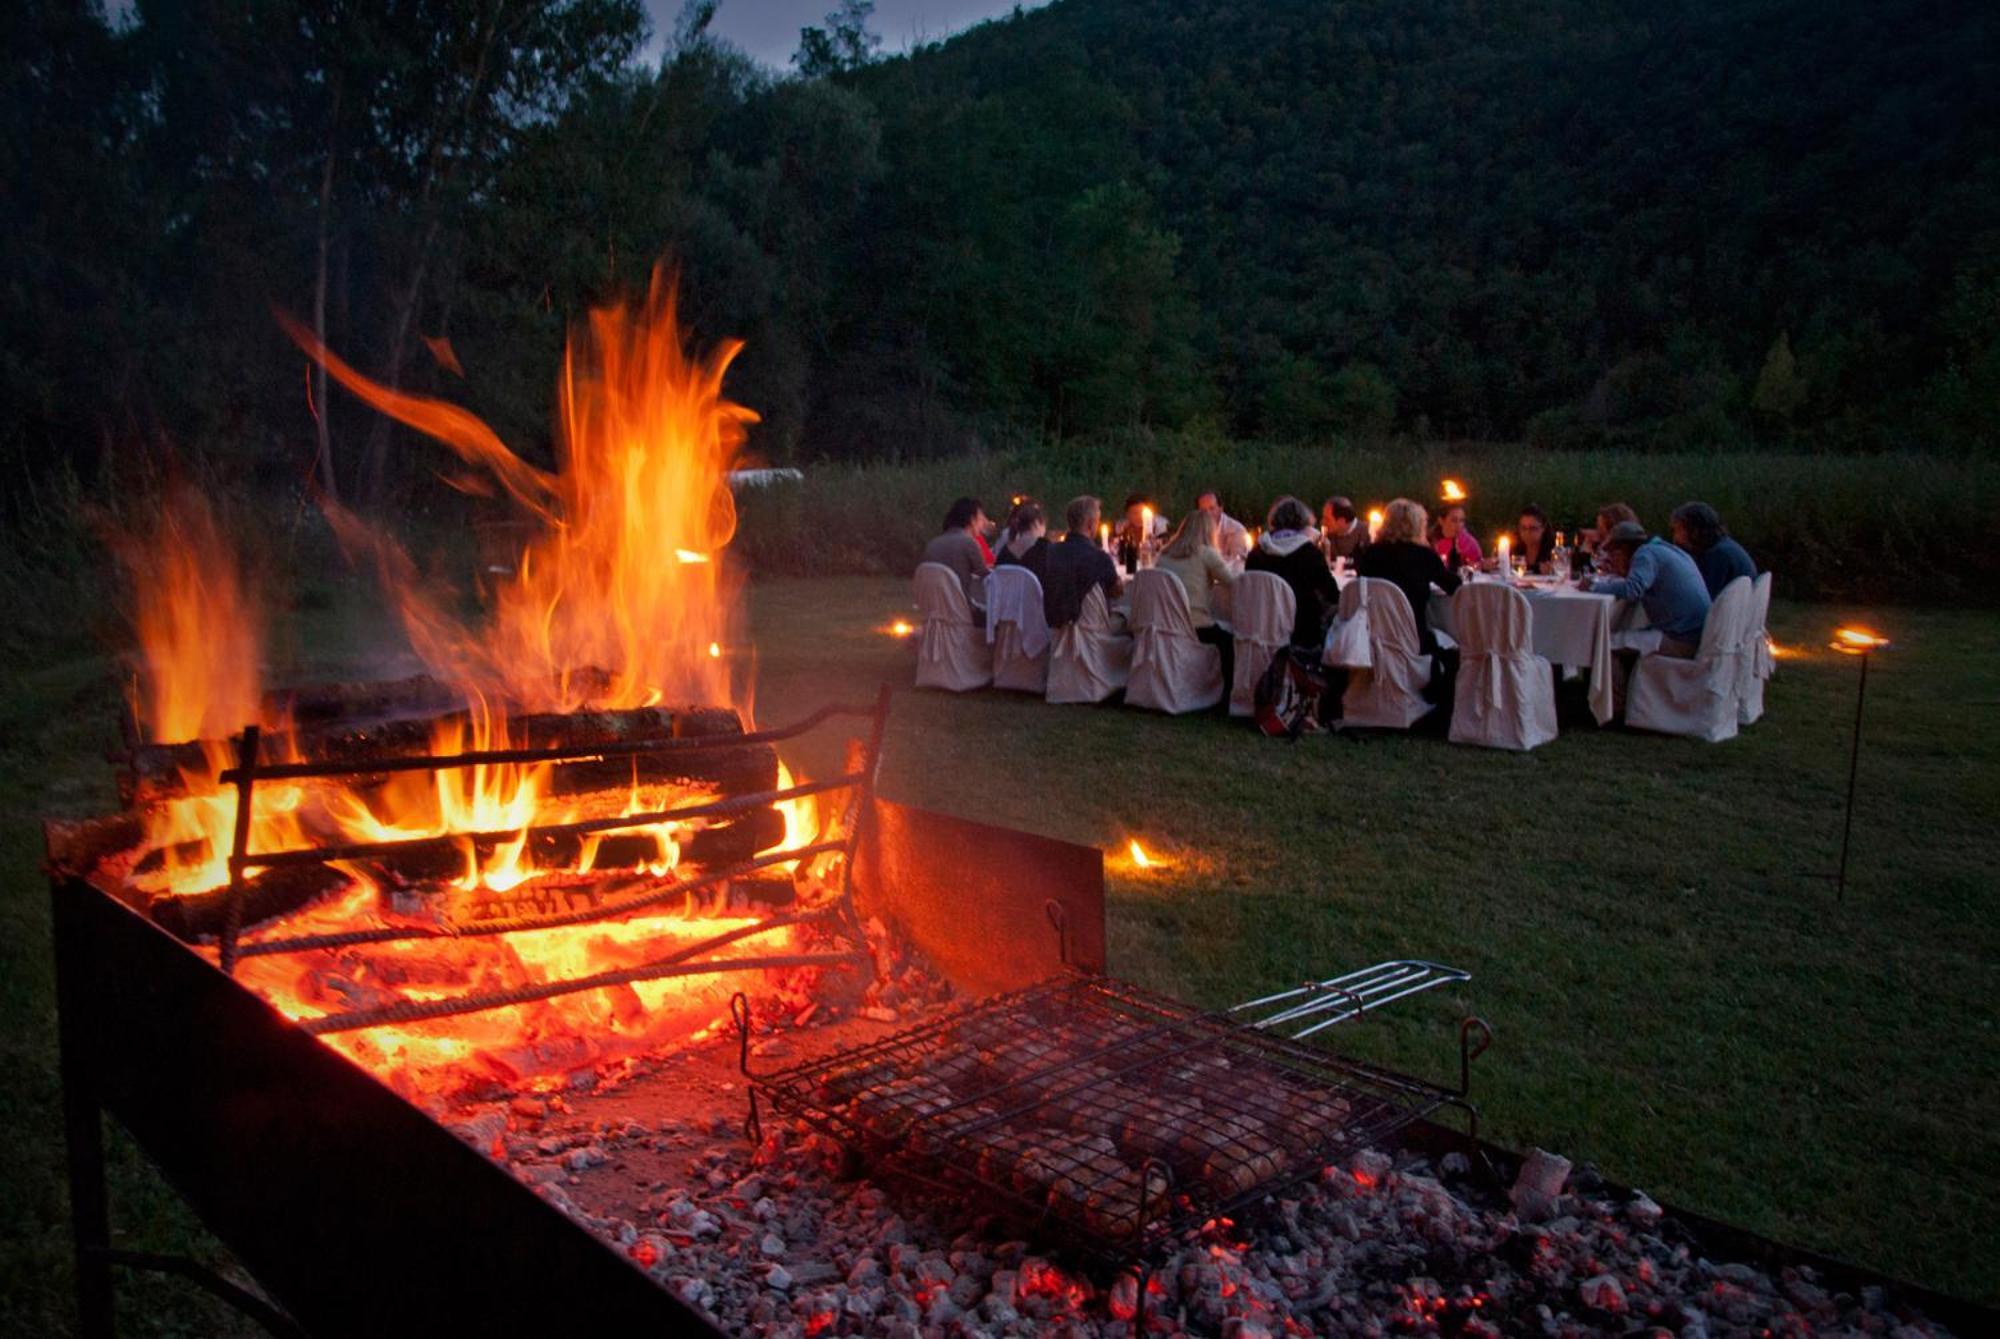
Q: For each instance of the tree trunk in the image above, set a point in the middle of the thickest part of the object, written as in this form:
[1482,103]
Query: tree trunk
[392,373]
[323,458]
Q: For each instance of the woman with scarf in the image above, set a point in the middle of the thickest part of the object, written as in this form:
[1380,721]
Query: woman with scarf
[1289,549]
[1453,542]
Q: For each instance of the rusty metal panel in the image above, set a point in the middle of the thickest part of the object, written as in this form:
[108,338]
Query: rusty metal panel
[359,1213]
[972,896]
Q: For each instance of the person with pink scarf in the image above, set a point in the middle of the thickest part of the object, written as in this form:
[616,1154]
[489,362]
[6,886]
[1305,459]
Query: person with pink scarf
[1454,542]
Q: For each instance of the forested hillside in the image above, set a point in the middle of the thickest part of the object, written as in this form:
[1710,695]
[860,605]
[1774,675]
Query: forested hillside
[1736,222]
[1699,221]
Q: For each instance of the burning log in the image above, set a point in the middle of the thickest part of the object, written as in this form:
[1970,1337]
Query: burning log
[380,699]
[158,772]
[443,859]
[276,892]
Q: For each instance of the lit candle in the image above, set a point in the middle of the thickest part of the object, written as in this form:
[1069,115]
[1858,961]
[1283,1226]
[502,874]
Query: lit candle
[1374,525]
[1104,536]
[1505,568]
[1145,524]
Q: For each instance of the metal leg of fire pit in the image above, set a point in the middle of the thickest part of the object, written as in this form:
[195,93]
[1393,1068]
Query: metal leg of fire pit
[90,1212]
[89,1206]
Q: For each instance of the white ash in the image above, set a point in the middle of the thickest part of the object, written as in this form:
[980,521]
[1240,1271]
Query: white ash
[777,1244]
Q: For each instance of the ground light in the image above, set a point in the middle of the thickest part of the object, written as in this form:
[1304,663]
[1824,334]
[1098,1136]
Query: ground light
[1862,643]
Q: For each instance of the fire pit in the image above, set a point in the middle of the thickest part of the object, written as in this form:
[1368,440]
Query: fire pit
[307,1159]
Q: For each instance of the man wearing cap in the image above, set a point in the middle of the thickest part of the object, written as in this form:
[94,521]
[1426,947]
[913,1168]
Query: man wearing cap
[1660,577]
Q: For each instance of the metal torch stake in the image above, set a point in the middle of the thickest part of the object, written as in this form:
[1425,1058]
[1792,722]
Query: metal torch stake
[1853,770]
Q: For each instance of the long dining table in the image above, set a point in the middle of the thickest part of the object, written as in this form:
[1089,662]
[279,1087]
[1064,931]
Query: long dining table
[1572,627]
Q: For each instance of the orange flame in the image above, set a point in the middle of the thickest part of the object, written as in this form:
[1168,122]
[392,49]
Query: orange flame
[622,577]
[1139,856]
[620,600]
[1857,641]
[199,679]
[1454,491]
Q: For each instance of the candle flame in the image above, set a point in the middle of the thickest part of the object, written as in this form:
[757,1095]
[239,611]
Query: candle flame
[715,650]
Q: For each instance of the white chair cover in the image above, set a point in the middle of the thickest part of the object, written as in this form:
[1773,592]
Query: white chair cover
[1389,694]
[1506,694]
[952,652]
[1017,629]
[1089,659]
[1171,671]
[1697,698]
[1347,636]
[1263,609]
[1761,664]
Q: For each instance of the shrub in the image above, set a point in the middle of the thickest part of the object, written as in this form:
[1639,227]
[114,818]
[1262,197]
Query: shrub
[1907,527]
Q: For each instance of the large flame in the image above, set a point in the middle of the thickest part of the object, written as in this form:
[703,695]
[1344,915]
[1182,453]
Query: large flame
[619,600]
[199,678]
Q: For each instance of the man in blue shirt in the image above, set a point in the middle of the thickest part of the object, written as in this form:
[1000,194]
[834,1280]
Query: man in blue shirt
[1699,529]
[1662,579]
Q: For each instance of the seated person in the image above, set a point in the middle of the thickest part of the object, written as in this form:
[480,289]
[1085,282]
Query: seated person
[1024,542]
[1342,532]
[1077,564]
[961,546]
[1289,549]
[1454,542]
[1660,577]
[1192,556]
[1698,529]
[1232,539]
[1537,542]
[1133,531]
[1400,556]
[1608,516]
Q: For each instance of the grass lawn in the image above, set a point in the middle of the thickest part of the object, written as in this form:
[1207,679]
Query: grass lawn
[1672,997]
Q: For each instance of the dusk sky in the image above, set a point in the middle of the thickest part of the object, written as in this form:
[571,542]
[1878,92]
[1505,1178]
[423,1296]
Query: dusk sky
[769,29]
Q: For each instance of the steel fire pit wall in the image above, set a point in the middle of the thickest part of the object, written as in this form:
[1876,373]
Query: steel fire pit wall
[976,898]
[360,1214]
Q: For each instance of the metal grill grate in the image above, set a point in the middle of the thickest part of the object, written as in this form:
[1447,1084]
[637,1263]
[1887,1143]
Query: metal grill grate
[1107,1116]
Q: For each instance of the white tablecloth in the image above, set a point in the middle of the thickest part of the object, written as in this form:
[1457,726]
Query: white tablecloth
[1571,627]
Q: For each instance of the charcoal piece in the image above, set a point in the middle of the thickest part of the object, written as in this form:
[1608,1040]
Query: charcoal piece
[275,892]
